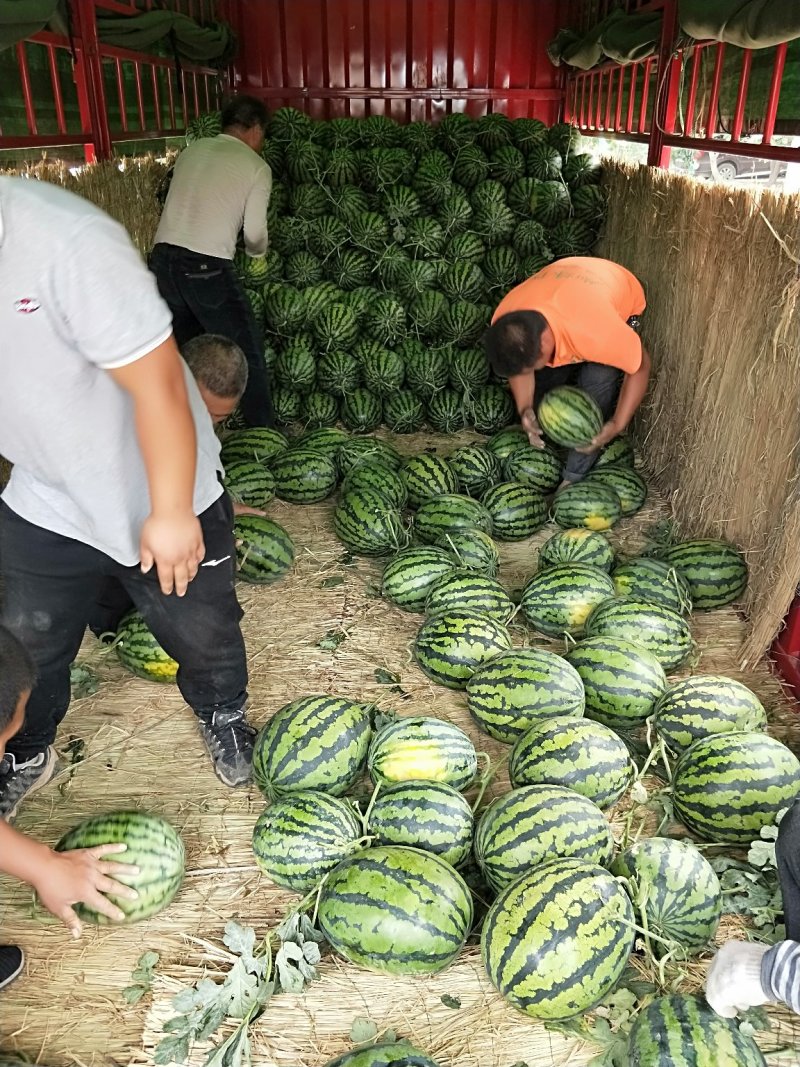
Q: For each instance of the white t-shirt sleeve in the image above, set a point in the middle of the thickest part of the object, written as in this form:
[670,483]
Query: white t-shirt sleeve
[255,213]
[108,299]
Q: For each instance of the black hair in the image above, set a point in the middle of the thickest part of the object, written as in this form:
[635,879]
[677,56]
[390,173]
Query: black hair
[246,112]
[514,341]
[218,364]
[17,675]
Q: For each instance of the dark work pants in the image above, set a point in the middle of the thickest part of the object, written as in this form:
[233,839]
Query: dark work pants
[51,583]
[601,382]
[788,856]
[205,295]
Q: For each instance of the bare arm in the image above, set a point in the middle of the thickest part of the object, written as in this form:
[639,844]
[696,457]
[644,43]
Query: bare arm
[171,537]
[523,389]
[632,393]
[255,215]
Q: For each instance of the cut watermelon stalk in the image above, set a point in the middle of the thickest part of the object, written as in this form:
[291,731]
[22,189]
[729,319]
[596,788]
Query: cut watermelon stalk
[488,773]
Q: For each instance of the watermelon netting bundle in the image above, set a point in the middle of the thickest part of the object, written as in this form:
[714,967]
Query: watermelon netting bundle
[405,238]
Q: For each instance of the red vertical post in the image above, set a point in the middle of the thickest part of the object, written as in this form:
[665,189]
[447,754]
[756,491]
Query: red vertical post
[771,111]
[91,76]
[668,80]
[741,95]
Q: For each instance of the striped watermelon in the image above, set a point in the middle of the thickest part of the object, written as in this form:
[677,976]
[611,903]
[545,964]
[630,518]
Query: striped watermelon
[391,1054]
[622,681]
[449,513]
[451,646]
[473,549]
[397,910]
[338,372]
[287,405]
[362,411]
[706,704]
[258,444]
[410,575]
[681,893]
[357,450]
[264,550]
[428,476]
[315,742]
[152,845]
[491,407]
[427,369]
[504,442]
[683,1031]
[537,467]
[653,581]
[304,476]
[577,546]
[587,504]
[618,452]
[299,838]
[325,439]
[319,409]
[468,367]
[715,570]
[475,469]
[383,372]
[569,416]
[403,412]
[422,749]
[535,824]
[658,630]
[295,366]
[577,753]
[139,651]
[559,599]
[367,523]
[511,692]
[557,940]
[464,589]
[629,486]
[516,510]
[447,411]
[250,484]
[423,814]
[726,787]
[376,475]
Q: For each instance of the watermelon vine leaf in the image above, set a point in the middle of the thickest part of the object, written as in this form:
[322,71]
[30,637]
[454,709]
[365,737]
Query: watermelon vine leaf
[83,680]
[331,641]
[386,677]
[450,1001]
[363,1030]
[141,978]
[332,582]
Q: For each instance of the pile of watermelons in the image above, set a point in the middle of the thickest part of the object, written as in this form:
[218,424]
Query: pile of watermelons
[390,247]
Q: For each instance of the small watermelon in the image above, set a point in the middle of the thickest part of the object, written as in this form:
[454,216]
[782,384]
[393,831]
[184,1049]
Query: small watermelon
[622,681]
[367,523]
[463,589]
[410,575]
[378,476]
[658,630]
[569,416]
[304,476]
[140,653]
[577,546]
[516,510]
[251,484]
[264,550]
[537,467]
[472,549]
[715,570]
[450,512]
[559,600]
[504,442]
[452,645]
[428,476]
[587,504]
[422,749]
[423,814]
[475,468]
[706,704]
[629,486]
[653,581]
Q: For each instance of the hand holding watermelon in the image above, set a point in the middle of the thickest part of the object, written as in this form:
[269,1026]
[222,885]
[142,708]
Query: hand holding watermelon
[531,428]
[83,876]
[607,433]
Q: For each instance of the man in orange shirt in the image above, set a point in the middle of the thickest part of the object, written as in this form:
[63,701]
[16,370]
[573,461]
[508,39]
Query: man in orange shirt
[573,323]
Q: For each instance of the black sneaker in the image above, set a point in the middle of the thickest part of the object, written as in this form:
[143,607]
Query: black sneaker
[229,739]
[12,960]
[19,779]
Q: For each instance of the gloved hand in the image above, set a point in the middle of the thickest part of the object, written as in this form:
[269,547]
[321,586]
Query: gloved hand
[733,982]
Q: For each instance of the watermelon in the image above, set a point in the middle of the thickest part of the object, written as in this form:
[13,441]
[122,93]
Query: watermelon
[618,452]
[258,444]
[475,469]
[390,1054]
[501,267]
[451,646]
[507,441]
[325,439]
[140,653]
[559,599]
[376,475]
[715,570]
[447,411]
[152,845]
[303,268]
[450,513]
[401,204]
[552,203]
[653,581]
[410,575]
[472,549]
[469,370]
[470,165]
[577,546]
[681,893]
[537,823]
[491,407]
[511,692]
[493,130]
[464,589]
[428,476]
[706,704]
[367,523]
[530,237]
[516,510]
[397,910]
[569,416]
[537,467]
[319,409]
[299,838]
[577,753]
[362,411]
[338,372]
[629,486]
[658,630]
[726,787]
[463,280]
[422,749]
[683,1031]
[587,504]
[507,164]
[544,162]
[403,412]
[357,450]
[494,223]
[304,476]
[336,326]
[465,246]
[287,405]
[427,369]
[622,681]
[315,742]
[251,484]
[264,550]
[421,814]
[557,940]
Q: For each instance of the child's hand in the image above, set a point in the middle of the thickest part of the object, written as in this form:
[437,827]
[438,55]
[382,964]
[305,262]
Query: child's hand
[83,876]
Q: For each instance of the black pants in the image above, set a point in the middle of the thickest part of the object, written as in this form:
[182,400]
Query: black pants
[601,382]
[51,585]
[788,856]
[205,295]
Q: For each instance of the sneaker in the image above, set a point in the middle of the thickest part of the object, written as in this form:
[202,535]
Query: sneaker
[229,739]
[18,779]
[12,960]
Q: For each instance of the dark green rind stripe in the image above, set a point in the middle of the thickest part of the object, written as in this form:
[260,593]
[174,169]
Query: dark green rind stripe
[560,599]
[658,630]
[622,681]
[683,1031]
[422,748]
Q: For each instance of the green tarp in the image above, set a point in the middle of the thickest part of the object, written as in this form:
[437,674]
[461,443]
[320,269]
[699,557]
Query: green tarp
[744,23]
[625,39]
[22,18]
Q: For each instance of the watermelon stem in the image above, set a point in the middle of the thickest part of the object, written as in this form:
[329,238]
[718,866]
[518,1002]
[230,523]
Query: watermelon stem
[484,780]
[368,813]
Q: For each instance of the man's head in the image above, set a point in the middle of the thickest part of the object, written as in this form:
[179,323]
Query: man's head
[246,117]
[220,369]
[518,342]
[17,675]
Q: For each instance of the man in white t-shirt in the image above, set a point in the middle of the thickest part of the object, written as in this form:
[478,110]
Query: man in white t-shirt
[219,187]
[116,474]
